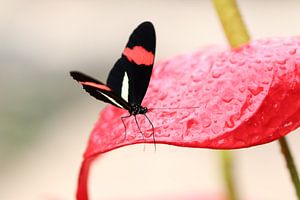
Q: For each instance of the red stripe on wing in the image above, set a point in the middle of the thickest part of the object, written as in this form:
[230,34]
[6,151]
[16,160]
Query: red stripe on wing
[139,55]
[96,85]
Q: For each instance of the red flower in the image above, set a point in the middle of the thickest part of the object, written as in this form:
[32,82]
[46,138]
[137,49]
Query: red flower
[244,97]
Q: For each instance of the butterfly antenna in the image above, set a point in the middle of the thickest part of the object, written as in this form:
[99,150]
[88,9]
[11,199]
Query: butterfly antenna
[154,141]
[140,131]
[176,108]
[122,119]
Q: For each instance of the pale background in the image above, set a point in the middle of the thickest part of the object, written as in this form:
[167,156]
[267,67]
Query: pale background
[45,118]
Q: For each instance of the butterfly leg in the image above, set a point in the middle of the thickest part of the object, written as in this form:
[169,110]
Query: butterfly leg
[122,119]
[140,130]
[154,141]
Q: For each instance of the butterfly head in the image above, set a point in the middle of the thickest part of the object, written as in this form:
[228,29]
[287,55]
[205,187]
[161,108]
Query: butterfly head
[137,109]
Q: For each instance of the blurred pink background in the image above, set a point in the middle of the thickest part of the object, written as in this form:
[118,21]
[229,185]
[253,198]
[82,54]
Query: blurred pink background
[45,118]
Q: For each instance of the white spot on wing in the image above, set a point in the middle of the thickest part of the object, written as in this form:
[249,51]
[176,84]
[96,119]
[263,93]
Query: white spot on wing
[111,99]
[124,89]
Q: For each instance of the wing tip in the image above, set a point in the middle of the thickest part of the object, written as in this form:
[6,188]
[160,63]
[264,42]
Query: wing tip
[146,26]
[75,75]
[81,77]
[147,23]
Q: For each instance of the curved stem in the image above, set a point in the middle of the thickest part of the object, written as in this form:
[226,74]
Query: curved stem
[232,22]
[236,33]
[290,164]
[227,170]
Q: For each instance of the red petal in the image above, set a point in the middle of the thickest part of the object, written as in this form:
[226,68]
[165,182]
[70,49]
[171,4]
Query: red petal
[82,190]
[245,97]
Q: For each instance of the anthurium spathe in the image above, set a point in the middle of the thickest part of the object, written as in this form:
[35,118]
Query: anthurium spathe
[214,98]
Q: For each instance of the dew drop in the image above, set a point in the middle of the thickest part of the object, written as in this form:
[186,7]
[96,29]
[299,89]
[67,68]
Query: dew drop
[282,61]
[236,116]
[190,123]
[270,67]
[227,99]
[241,63]
[165,134]
[255,90]
[268,54]
[242,89]
[229,124]
[210,81]
[288,124]
[255,139]
[266,81]
[206,122]
[207,88]
[183,83]
[216,74]
[227,96]
[293,51]
[283,67]
[221,141]
[251,107]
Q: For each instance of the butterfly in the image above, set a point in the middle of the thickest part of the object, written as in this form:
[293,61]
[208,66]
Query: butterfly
[129,78]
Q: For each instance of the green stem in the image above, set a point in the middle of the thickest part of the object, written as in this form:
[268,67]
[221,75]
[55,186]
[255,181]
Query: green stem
[227,169]
[290,164]
[237,35]
[232,22]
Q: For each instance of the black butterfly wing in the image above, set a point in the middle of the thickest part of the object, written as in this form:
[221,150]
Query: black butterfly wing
[134,68]
[99,90]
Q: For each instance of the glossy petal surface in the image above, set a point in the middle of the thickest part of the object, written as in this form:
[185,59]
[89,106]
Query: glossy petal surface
[244,97]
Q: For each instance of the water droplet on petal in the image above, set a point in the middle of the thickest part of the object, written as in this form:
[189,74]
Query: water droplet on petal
[242,89]
[206,123]
[268,54]
[229,124]
[222,141]
[266,81]
[190,123]
[255,90]
[227,95]
[283,67]
[270,67]
[282,61]
[288,124]
[241,63]
[293,51]
[216,74]
[165,134]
